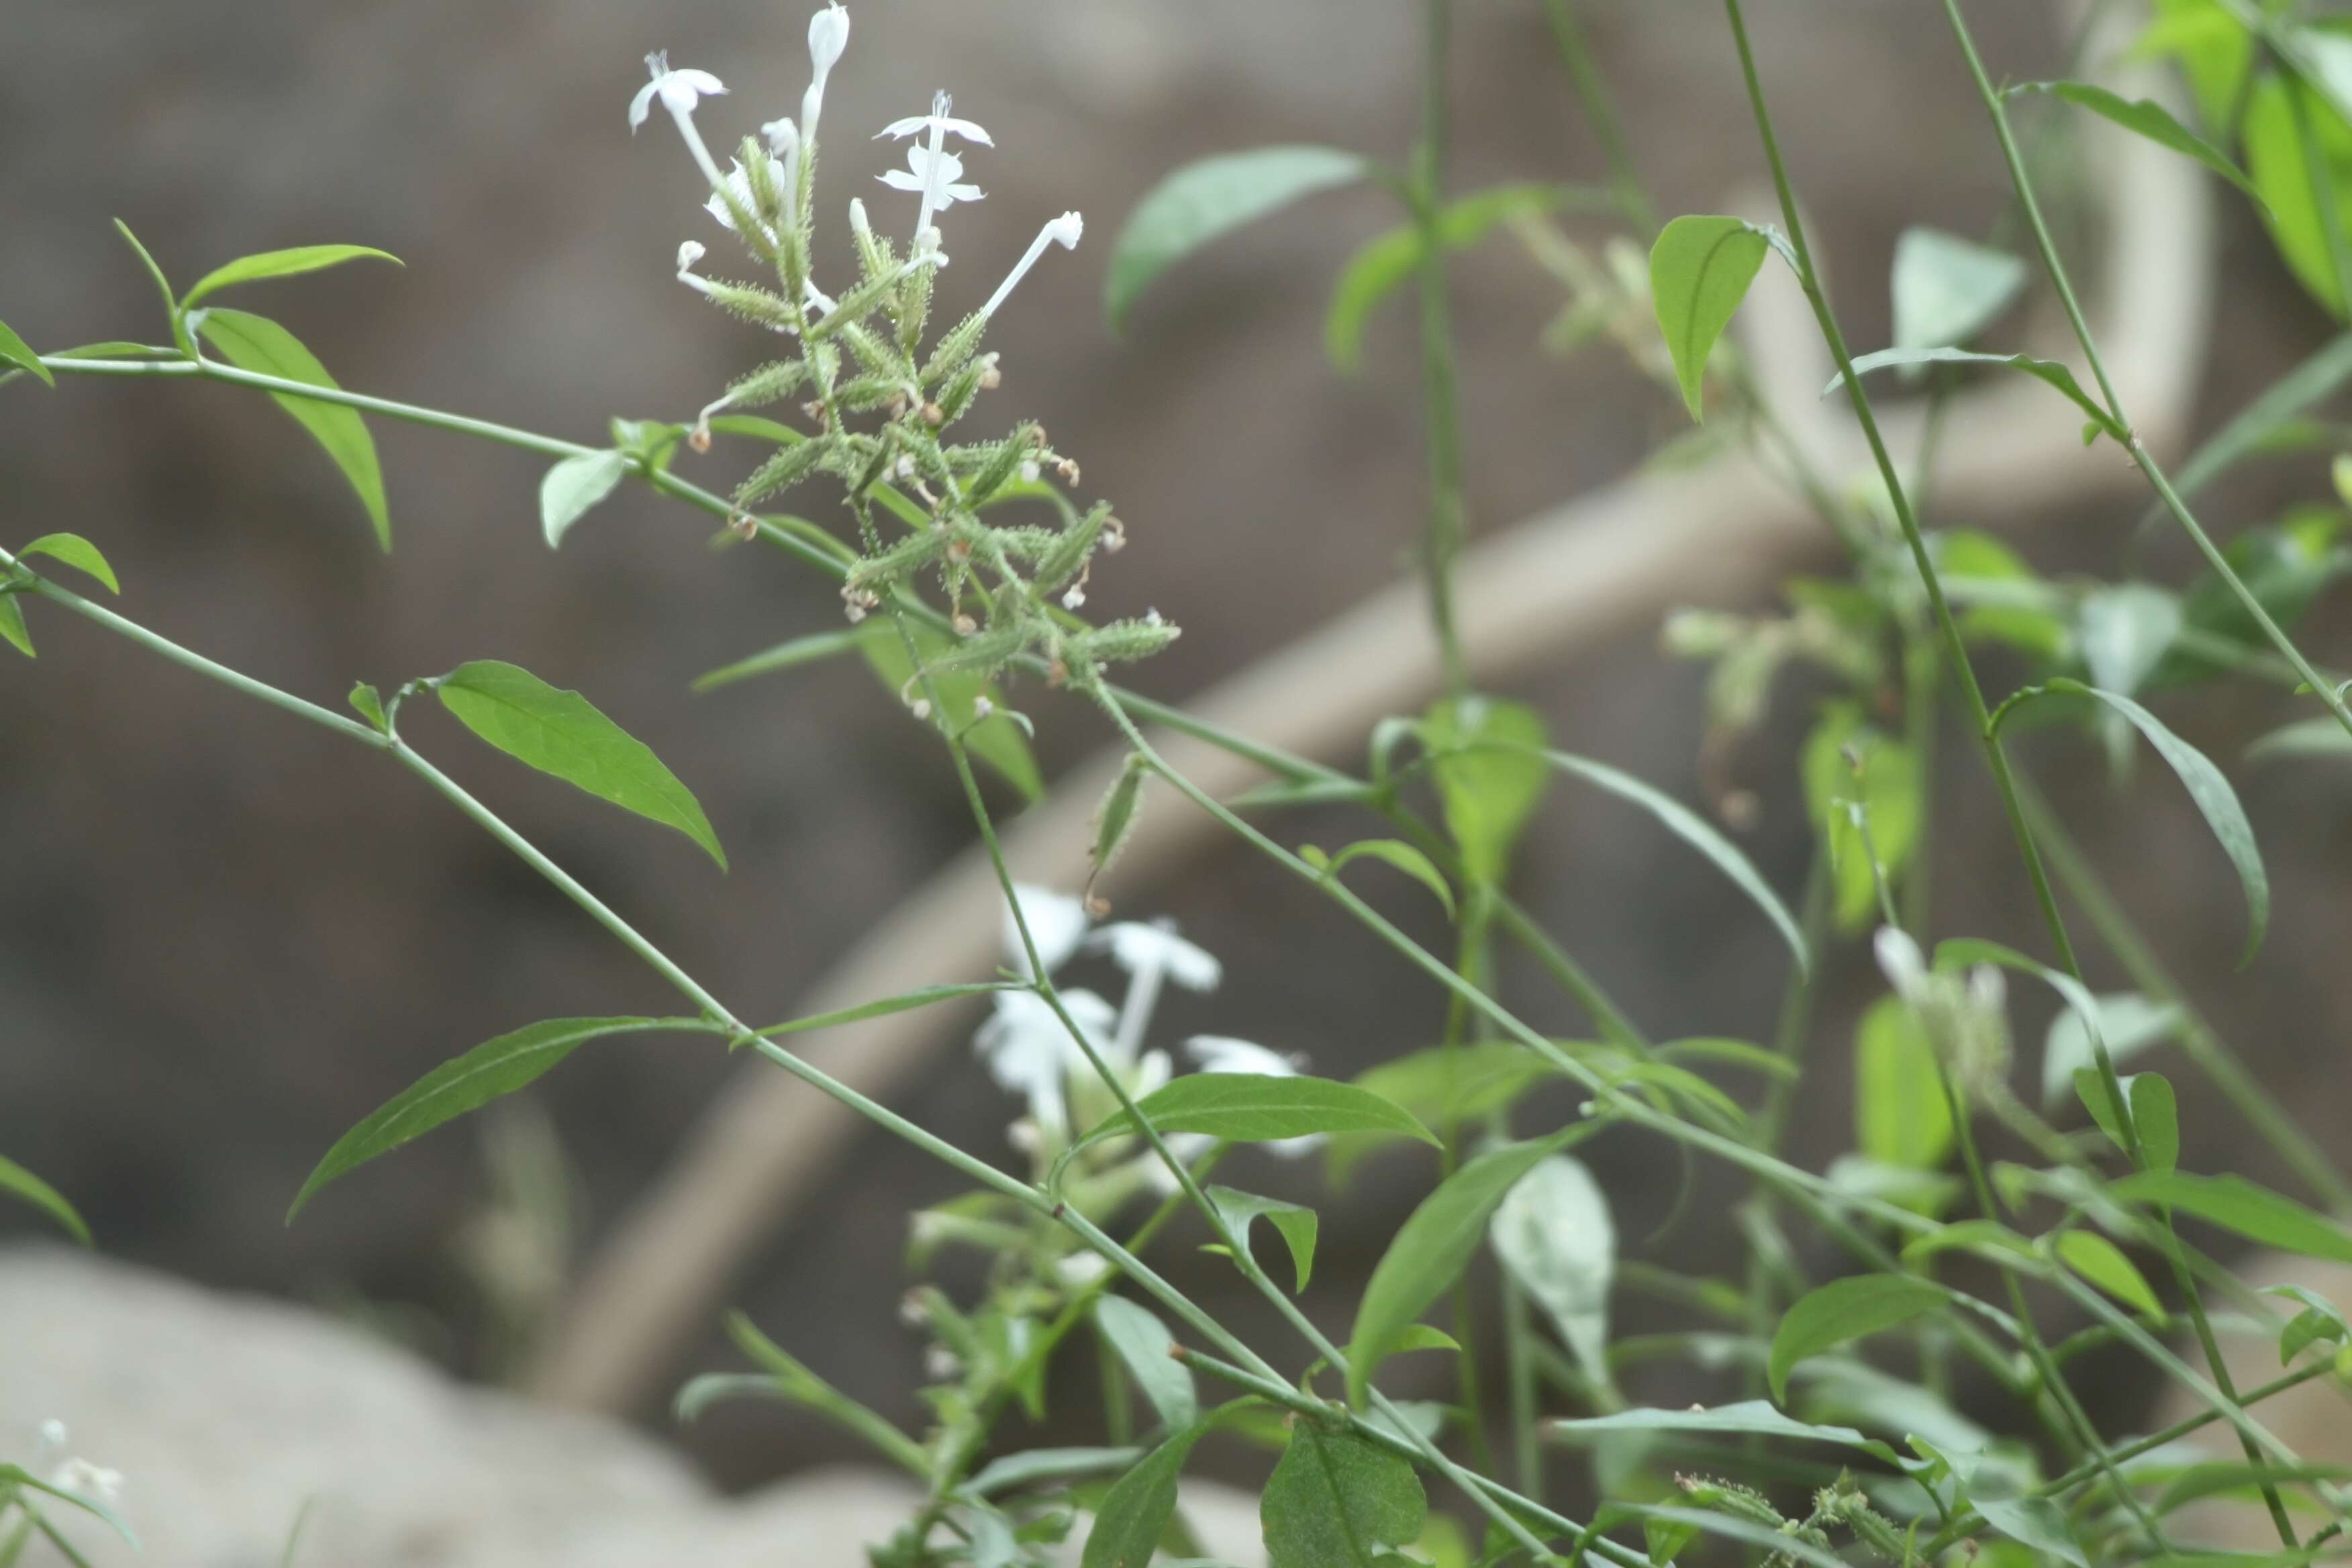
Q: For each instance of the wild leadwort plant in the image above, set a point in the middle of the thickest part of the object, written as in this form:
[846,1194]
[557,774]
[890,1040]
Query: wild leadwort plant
[1107,1118]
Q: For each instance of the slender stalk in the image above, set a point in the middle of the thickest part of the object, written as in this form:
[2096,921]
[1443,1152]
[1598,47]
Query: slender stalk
[1601,112]
[1448,509]
[2052,264]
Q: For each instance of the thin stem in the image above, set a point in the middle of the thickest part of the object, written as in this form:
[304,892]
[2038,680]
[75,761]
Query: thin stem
[1448,511]
[1601,112]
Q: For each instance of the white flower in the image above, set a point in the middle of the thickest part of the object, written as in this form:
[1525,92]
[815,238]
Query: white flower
[942,1364]
[936,174]
[1056,922]
[1080,1270]
[1029,1050]
[828,34]
[938,122]
[52,1433]
[679,89]
[1137,946]
[689,254]
[1222,1053]
[1063,231]
[86,1479]
[1899,960]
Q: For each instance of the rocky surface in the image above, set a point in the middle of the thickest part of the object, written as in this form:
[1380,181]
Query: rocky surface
[229,1416]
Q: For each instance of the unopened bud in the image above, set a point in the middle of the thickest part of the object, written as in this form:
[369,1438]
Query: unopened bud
[981,707]
[965,625]
[1030,472]
[990,378]
[699,436]
[921,707]
[933,413]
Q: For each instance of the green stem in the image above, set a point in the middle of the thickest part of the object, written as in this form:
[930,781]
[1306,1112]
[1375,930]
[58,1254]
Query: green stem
[1448,510]
[1601,112]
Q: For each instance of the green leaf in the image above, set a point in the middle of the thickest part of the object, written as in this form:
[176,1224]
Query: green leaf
[562,733]
[1947,289]
[490,1069]
[1134,1512]
[22,1184]
[1441,1087]
[2318,1320]
[2128,1022]
[367,702]
[1984,1237]
[1843,1310]
[1554,1235]
[2255,426]
[574,485]
[1485,761]
[12,625]
[2214,799]
[15,1476]
[1016,1470]
[1115,817]
[1253,1107]
[1143,1341]
[259,344]
[1694,830]
[2102,1263]
[1395,852]
[2092,1093]
[1336,1500]
[2213,50]
[906,1001]
[996,740]
[2284,180]
[1205,200]
[282,264]
[77,552]
[16,351]
[1750,1417]
[2045,370]
[2156,1119]
[1700,269]
[2034,1521]
[1296,1224]
[2144,118]
[787,655]
[2237,1204]
[1386,263]
[1429,1250]
[1900,1115]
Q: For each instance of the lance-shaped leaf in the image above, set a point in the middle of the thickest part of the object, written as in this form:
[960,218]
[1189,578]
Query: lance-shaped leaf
[1134,1512]
[1202,201]
[2045,370]
[1431,1250]
[13,627]
[1843,1310]
[1700,269]
[1395,852]
[1694,830]
[2102,1263]
[490,1069]
[16,351]
[562,733]
[2128,1022]
[1385,263]
[1256,1108]
[20,1183]
[1554,1233]
[1749,1418]
[259,344]
[2143,117]
[1143,1342]
[1336,1500]
[282,264]
[790,654]
[1484,760]
[2236,1203]
[574,485]
[2215,800]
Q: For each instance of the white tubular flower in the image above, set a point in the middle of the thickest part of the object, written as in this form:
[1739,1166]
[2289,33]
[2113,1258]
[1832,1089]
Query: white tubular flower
[935,169]
[1029,1051]
[679,91]
[828,34]
[1222,1053]
[1965,1018]
[1139,946]
[1056,923]
[1063,231]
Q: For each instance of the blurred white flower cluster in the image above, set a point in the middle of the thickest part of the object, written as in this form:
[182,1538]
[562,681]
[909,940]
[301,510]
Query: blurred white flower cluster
[1031,1051]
